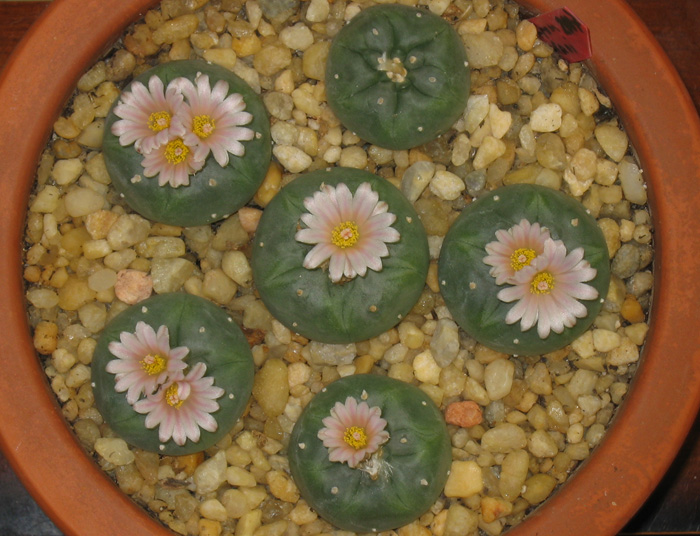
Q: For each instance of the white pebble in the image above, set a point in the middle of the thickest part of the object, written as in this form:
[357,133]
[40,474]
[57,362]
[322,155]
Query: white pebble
[292,158]
[546,117]
[446,185]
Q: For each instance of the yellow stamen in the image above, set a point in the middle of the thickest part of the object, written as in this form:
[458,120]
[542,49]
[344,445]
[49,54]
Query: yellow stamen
[153,364]
[356,437]
[542,283]
[172,396]
[345,234]
[521,258]
[158,121]
[203,126]
[176,152]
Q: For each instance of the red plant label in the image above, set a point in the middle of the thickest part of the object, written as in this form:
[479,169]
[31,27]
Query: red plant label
[565,33]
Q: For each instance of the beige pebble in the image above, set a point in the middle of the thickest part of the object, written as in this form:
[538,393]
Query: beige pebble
[489,150]
[67,171]
[503,438]
[213,509]
[613,141]
[114,450]
[225,57]
[447,185]
[526,35]
[426,369]
[465,479]
[498,378]
[500,121]
[546,118]
[624,354]
[292,158]
[133,286]
[271,387]
[318,10]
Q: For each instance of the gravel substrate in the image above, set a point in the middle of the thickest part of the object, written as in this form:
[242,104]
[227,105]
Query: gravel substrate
[531,119]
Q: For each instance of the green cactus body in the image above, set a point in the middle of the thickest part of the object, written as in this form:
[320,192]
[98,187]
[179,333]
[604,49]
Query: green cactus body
[397,76]
[213,192]
[211,337]
[306,300]
[411,467]
[469,289]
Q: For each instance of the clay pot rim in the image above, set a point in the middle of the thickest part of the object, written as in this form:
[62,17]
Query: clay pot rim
[661,405]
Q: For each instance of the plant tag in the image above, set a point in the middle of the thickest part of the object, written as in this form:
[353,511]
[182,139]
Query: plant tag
[565,33]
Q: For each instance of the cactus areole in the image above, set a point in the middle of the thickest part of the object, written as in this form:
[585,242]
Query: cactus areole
[340,256]
[187,143]
[397,76]
[524,270]
[172,374]
[370,453]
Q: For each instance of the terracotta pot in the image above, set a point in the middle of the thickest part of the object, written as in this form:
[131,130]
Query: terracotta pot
[650,427]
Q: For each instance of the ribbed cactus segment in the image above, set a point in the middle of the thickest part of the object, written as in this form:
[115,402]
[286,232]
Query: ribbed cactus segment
[397,486]
[306,300]
[471,291]
[211,338]
[397,76]
[215,191]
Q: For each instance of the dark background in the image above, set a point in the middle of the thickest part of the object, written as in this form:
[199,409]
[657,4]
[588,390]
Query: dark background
[674,508]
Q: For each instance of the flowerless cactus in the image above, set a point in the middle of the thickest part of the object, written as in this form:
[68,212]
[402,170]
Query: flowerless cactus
[370,453]
[188,143]
[172,374]
[397,76]
[339,255]
[524,269]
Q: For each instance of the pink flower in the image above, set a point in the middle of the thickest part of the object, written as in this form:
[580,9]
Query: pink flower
[147,115]
[213,119]
[548,289]
[182,406]
[351,231]
[514,249]
[173,162]
[144,360]
[353,432]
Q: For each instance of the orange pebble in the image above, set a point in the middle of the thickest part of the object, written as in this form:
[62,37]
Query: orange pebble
[465,414]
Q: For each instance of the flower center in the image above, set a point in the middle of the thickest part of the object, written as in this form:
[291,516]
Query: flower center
[521,258]
[176,152]
[356,437]
[158,121]
[153,364]
[203,126]
[542,283]
[345,234]
[172,396]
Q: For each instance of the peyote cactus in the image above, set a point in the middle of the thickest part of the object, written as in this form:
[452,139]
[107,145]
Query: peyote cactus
[367,266]
[370,453]
[524,269]
[188,143]
[397,76]
[172,374]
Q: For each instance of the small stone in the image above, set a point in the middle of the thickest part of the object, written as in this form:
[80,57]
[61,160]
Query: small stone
[466,414]
[613,141]
[114,450]
[627,352]
[292,158]
[446,185]
[210,474]
[632,183]
[546,118]
[465,479]
[444,344]
[500,121]
[489,150]
[626,261]
[425,368]
[498,378]
[416,178]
